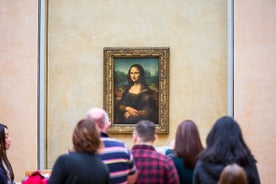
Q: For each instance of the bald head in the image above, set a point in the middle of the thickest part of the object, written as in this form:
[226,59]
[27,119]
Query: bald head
[99,116]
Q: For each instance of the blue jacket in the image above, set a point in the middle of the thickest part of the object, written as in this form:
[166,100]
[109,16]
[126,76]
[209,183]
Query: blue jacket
[3,179]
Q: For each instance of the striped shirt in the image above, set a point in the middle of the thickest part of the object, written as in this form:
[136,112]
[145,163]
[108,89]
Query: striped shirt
[118,159]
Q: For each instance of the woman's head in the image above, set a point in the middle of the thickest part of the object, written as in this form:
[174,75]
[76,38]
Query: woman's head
[225,129]
[136,73]
[86,137]
[5,140]
[187,142]
[225,142]
[233,174]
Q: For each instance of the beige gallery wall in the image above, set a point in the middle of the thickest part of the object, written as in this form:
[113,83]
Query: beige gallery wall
[18,80]
[255,80]
[77,35]
[78,31]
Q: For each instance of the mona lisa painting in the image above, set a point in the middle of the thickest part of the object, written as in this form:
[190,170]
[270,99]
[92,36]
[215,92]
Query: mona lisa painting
[136,87]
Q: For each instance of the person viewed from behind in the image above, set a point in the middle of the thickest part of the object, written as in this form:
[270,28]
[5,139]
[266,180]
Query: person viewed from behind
[6,171]
[233,174]
[186,148]
[153,167]
[83,165]
[114,154]
[225,145]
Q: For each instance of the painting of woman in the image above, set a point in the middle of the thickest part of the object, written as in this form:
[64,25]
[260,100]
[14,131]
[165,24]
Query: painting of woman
[137,101]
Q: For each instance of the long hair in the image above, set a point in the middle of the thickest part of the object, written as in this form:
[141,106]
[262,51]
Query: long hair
[6,167]
[225,144]
[141,77]
[86,137]
[187,143]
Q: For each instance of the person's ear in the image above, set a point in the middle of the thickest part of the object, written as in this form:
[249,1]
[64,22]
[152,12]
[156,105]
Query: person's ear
[155,137]
[134,138]
[107,125]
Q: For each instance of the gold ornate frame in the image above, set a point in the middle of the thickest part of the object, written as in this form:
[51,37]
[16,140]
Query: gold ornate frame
[163,55]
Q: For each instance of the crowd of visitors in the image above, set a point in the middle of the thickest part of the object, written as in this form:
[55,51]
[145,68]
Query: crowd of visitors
[97,158]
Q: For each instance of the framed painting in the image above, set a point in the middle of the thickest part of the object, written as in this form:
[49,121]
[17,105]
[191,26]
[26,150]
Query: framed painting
[136,87]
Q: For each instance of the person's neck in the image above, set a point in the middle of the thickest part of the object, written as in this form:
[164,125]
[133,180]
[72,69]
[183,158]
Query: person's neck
[144,143]
[136,84]
[103,134]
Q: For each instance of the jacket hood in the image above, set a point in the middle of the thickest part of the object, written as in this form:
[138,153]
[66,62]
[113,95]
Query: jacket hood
[213,170]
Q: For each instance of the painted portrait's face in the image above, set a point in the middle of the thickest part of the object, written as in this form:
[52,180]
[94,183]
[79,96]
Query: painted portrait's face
[134,74]
[7,139]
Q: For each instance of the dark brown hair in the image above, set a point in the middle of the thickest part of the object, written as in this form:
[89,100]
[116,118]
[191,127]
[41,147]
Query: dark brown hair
[3,153]
[187,143]
[233,174]
[86,137]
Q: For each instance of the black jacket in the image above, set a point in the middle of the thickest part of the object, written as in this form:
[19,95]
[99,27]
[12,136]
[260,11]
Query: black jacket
[209,173]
